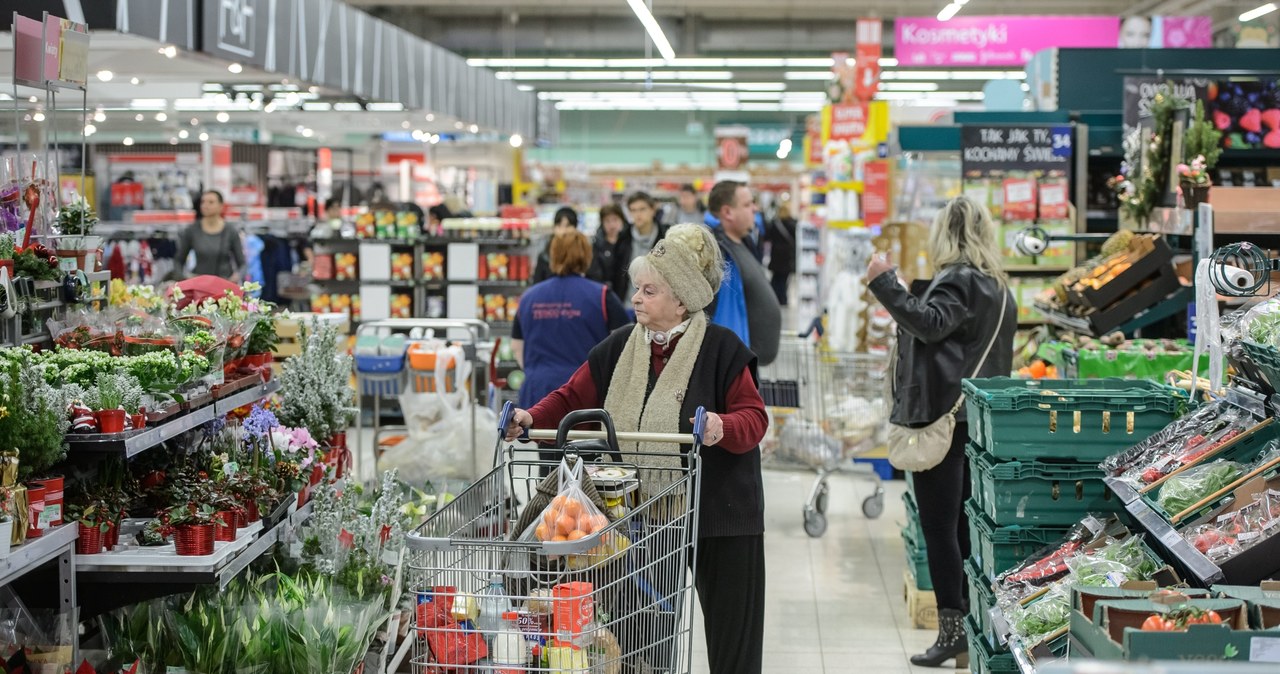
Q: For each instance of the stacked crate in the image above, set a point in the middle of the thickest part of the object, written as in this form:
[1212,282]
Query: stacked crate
[917,584]
[1033,459]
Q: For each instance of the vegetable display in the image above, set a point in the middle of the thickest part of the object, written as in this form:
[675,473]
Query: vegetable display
[1190,487]
[1182,443]
[1178,619]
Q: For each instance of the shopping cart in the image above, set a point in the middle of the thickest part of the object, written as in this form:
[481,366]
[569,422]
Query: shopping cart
[826,407]
[617,600]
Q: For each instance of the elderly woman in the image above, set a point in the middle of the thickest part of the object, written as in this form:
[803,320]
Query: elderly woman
[653,377]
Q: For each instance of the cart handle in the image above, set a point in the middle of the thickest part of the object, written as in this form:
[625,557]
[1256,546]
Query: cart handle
[695,438]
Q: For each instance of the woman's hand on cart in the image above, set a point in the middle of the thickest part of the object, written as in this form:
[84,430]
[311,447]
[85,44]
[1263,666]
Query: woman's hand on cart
[520,422]
[712,428]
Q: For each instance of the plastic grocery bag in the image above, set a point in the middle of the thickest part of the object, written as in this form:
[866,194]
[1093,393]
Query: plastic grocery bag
[449,436]
[571,515]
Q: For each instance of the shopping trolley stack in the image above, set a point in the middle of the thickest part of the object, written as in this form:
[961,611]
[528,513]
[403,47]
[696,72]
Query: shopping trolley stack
[825,408]
[495,591]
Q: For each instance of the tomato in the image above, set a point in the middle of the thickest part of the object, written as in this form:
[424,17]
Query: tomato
[1156,623]
[1212,618]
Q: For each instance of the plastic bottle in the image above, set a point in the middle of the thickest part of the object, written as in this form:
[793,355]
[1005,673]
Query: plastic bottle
[494,604]
[510,652]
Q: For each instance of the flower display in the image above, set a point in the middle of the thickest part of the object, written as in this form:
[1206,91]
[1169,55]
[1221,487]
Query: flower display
[1195,173]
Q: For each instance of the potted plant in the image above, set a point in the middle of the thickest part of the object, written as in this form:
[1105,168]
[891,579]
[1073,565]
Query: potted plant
[76,221]
[316,393]
[41,423]
[110,403]
[6,252]
[230,512]
[1202,145]
[192,525]
[93,518]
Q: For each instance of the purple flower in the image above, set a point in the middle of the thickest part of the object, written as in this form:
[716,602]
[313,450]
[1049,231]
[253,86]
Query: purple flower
[259,423]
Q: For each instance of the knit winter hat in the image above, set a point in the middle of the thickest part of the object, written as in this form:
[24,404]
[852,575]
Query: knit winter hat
[683,271]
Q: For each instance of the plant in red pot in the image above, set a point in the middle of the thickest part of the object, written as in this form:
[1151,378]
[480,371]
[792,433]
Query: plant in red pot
[93,518]
[230,511]
[193,525]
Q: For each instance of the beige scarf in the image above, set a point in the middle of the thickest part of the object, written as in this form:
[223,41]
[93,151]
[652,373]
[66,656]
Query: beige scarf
[626,402]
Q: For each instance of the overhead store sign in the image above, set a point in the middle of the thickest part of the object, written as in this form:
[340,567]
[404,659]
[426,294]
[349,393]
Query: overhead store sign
[870,46]
[1245,111]
[844,121]
[995,148]
[1013,40]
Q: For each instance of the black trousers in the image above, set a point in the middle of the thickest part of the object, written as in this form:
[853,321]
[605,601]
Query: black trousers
[941,492]
[730,584]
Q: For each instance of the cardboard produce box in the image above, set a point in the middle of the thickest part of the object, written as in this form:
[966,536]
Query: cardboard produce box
[1113,633]
[1264,602]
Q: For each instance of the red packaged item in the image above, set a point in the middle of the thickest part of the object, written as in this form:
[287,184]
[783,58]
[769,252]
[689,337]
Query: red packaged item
[1019,199]
[449,643]
[1053,199]
[574,607]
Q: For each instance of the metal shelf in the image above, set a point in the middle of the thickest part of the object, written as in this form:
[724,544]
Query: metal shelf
[1206,572]
[133,443]
[37,551]
[1037,268]
[227,562]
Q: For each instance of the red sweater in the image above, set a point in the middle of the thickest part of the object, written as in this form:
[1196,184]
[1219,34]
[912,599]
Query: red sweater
[744,422]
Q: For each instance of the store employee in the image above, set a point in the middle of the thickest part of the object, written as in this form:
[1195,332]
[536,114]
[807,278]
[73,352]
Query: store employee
[216,244]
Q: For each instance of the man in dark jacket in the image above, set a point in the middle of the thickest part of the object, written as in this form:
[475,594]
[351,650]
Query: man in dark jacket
[566,220]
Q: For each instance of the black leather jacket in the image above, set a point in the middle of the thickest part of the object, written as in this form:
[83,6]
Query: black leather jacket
[944,326]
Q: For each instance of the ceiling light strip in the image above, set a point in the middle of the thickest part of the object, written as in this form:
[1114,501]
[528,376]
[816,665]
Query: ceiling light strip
[652,28]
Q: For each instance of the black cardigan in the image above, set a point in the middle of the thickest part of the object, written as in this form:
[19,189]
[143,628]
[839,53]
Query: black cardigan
[732,498]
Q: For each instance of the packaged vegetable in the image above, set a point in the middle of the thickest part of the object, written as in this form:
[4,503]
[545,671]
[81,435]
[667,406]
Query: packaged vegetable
[1190,448]
[1049,564]
[1188,488]
[1164,440]
[1045,616]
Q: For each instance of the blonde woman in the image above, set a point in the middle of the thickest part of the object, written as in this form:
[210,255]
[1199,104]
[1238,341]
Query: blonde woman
[944,328]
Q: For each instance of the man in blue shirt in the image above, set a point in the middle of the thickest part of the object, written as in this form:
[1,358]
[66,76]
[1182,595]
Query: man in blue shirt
[746,303]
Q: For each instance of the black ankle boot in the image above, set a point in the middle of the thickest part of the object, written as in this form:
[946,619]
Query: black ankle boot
[951,642]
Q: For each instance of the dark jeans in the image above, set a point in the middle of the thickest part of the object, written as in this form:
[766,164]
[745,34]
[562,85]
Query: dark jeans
[941,492]
[780,281]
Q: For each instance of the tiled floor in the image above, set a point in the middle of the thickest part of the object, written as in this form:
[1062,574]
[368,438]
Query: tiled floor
[835,603]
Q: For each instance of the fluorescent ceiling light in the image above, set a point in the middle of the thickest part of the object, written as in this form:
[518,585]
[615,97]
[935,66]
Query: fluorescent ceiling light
[615,75]
[524,87]
[760,96]
[316,106]
[347,106]
[908,86]
[888,62]
[385,107]
[1258,11]
[652,28]
[808,75]
[940,95]
[949,11]
[148,103]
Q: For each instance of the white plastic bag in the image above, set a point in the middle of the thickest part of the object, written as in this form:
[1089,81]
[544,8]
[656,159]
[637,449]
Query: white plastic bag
[441,442]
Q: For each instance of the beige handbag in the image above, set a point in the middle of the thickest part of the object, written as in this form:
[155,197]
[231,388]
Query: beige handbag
[917,449]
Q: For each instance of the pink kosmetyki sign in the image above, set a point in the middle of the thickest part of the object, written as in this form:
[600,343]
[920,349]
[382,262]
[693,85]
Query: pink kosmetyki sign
[996,40]
[1012,40]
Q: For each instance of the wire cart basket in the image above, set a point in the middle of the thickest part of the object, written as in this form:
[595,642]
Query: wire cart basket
[826,407]
[617,600]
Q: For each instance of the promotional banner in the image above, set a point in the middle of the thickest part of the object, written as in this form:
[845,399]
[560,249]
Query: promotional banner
[731,147]
[1011,41]
[844,121]
[875,193]
[1247,112]
[867,66]
[988,149]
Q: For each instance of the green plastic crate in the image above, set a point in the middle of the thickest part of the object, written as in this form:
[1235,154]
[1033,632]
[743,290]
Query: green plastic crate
[912,527]
[918,563]
[1074,420]
[981,600]
[998,548]
[1037,493]
[983,659]
[1267,359]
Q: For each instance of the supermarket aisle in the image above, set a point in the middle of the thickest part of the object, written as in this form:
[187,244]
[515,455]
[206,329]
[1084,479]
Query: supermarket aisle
[834,604]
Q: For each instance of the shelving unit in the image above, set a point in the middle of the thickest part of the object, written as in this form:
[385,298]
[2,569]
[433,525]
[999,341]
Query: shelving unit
[162,565]
[133,443]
